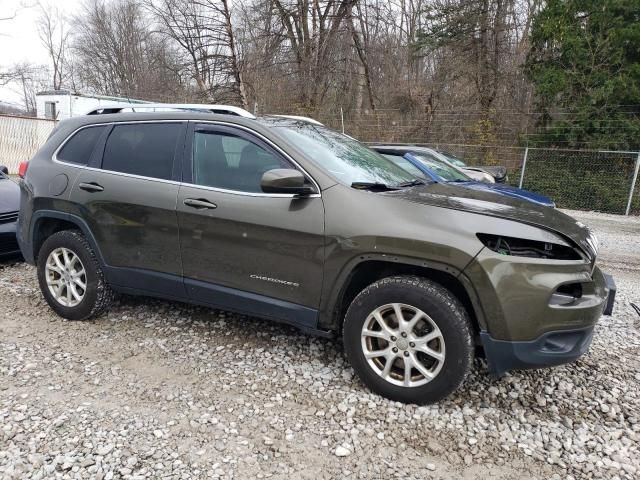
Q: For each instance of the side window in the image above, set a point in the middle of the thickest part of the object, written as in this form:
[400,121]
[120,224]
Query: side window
[78,149]
[226,161]
[145,149]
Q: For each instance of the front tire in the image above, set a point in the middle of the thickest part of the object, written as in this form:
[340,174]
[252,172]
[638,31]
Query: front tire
[70,277]
[409,339]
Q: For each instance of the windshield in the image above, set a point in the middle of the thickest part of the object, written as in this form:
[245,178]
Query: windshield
[444,170]
[406,165]
[454,160]
[346,159]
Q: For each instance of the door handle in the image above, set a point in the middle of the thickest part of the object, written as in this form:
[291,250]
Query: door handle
[199,203]
[91,187]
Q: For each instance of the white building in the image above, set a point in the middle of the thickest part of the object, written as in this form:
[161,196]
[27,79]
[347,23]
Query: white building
[61,104]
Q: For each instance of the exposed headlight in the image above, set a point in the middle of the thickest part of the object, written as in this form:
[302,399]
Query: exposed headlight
[522,247]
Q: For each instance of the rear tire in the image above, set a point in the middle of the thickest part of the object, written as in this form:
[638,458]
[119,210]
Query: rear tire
[420,359]
[70,277]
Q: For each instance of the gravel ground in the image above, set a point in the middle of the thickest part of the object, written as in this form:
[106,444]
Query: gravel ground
[164,390]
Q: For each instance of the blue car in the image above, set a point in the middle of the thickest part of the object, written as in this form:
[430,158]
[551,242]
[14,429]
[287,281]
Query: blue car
[426,166]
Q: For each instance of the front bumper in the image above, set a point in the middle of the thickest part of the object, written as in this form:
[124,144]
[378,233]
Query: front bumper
[530,321]
[551,348]
[611,296]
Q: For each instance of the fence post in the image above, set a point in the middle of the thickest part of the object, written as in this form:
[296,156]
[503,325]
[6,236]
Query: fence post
[342,119]
[633,184]
[524,165]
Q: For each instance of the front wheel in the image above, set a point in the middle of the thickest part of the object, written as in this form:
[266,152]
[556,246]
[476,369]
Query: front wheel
[408,339]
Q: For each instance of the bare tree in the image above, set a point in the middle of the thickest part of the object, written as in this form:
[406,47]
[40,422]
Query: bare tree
[360,37]
[119,54]
[439,69]
[31,79]
[53,30]
[312,29]
[204,31]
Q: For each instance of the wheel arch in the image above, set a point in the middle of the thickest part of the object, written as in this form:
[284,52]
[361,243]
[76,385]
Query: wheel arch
[368,269]
[47,222]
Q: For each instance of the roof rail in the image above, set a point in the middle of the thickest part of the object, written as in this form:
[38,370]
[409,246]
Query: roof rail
[169,107]
[301,118]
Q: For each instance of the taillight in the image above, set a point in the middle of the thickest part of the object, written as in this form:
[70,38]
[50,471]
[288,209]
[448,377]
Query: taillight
[22,169]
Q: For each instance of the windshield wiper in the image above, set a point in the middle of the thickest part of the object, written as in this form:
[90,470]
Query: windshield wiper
[412,183]
[373,186]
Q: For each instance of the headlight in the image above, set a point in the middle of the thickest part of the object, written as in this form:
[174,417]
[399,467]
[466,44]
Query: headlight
[522,247]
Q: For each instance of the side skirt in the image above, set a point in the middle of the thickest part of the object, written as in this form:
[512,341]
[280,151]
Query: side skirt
[172,287]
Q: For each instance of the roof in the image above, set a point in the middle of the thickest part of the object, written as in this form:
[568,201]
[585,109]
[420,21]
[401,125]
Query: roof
[97,97]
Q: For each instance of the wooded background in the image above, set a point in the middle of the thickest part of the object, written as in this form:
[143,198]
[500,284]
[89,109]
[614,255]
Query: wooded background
[560,73]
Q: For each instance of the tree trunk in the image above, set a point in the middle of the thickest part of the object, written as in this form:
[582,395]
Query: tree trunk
[235,67]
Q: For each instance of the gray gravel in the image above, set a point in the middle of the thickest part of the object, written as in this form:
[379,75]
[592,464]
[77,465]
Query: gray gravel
[164,390]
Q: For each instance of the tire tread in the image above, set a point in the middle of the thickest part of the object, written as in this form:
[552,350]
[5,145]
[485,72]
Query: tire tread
[104,293]
[458,318]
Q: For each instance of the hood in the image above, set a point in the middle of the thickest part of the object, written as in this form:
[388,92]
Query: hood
[510,192]
[486,202]
[9,196]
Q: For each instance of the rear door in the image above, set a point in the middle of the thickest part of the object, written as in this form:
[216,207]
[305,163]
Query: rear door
[128,195]
[244,249]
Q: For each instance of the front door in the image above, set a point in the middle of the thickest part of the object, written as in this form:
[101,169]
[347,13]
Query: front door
[243,249]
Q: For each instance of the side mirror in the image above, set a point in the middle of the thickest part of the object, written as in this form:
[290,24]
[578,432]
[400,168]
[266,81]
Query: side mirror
[4,170]
[285,180]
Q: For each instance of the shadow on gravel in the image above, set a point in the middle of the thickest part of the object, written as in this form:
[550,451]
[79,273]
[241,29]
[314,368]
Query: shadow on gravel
[10,261]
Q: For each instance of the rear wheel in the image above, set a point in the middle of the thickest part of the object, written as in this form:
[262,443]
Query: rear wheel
[70,277]
[408,339]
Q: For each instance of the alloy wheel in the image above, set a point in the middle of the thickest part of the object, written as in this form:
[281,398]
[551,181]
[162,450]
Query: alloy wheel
[66,277]
[403,345]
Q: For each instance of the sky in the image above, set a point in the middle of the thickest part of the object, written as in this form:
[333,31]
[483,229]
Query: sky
[19,40]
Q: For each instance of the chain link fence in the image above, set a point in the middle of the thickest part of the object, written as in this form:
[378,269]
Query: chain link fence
[20,138]
[602,181]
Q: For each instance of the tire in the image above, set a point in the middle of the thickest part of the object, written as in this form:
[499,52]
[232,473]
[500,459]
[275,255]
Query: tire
[95,298]
[443,329]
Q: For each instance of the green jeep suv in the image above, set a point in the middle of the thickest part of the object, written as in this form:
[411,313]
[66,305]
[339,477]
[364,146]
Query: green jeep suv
[290,221]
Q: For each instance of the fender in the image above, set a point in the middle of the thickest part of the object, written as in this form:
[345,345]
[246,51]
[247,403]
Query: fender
[41,215]
[331,301]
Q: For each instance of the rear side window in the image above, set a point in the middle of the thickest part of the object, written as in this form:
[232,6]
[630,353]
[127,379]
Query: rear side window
[78,149]
[145,149]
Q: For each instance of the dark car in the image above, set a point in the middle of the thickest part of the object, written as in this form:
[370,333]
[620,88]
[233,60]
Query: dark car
[9,206]
[428,167]
[294,222]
